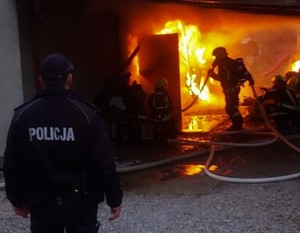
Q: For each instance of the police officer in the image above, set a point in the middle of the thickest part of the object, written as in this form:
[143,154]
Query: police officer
[231,74]
[57,163]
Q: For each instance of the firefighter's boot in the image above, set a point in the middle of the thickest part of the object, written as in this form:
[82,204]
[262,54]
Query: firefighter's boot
[237,124]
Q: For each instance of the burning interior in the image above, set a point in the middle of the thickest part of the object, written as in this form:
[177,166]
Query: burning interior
[176,43]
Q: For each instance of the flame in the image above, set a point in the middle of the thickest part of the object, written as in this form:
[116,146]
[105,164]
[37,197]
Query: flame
[193,123]
[134,67]
[213,168]
[193,65]
[193,169]
[296,66]
[195,58]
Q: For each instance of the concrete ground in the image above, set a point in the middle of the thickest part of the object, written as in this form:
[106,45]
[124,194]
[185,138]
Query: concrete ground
[163,168]
[168,191]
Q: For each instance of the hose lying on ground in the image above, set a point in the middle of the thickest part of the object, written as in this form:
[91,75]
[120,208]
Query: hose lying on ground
[214,148]
[252,180]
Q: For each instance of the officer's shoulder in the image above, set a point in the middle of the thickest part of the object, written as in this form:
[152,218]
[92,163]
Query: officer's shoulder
[90,105]
[25,105]
[18,111]
[21,106]
[83,101]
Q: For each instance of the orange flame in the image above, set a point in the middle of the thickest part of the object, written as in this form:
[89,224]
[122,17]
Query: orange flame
[195,58]
[193,124]
[296,66]
[194,55]
[193,169]
[134,68]
[192,60]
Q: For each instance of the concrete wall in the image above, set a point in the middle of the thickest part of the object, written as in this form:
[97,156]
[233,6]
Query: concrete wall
[11,90]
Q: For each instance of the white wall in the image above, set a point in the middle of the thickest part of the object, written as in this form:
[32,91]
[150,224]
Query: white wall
[11,91]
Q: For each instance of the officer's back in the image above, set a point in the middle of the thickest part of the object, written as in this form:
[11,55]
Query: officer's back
[57,160]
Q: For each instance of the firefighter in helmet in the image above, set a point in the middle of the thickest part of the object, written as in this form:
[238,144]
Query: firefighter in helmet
[231,73]
[161,108]
[281,104]
[293,82]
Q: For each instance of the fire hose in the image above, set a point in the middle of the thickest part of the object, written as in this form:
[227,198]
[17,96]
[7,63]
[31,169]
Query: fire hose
[196,97]
[276,135]
[252,180]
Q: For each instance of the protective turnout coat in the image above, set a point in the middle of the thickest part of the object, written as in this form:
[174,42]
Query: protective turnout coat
[231,73]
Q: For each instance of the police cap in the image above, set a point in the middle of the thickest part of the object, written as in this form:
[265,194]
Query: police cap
[55,66]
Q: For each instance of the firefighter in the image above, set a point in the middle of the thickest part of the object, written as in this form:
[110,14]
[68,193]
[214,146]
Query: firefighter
[293,82]
[161,107]
[281,104]
[135,101]
[127,113]
[231,73]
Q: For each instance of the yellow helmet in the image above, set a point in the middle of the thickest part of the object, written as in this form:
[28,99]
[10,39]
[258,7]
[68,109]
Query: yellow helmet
[162,83]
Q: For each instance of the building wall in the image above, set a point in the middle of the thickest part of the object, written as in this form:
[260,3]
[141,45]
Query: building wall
[11,91]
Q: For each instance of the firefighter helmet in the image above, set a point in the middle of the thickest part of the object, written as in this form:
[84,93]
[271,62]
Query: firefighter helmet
[162,83]
[291,74]
[278,80]
[293,82]
[219,52]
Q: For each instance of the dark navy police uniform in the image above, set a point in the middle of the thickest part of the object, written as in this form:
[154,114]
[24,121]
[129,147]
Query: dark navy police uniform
[58,163]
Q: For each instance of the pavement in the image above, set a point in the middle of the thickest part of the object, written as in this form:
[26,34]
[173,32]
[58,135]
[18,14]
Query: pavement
[167,183]
[160,168]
